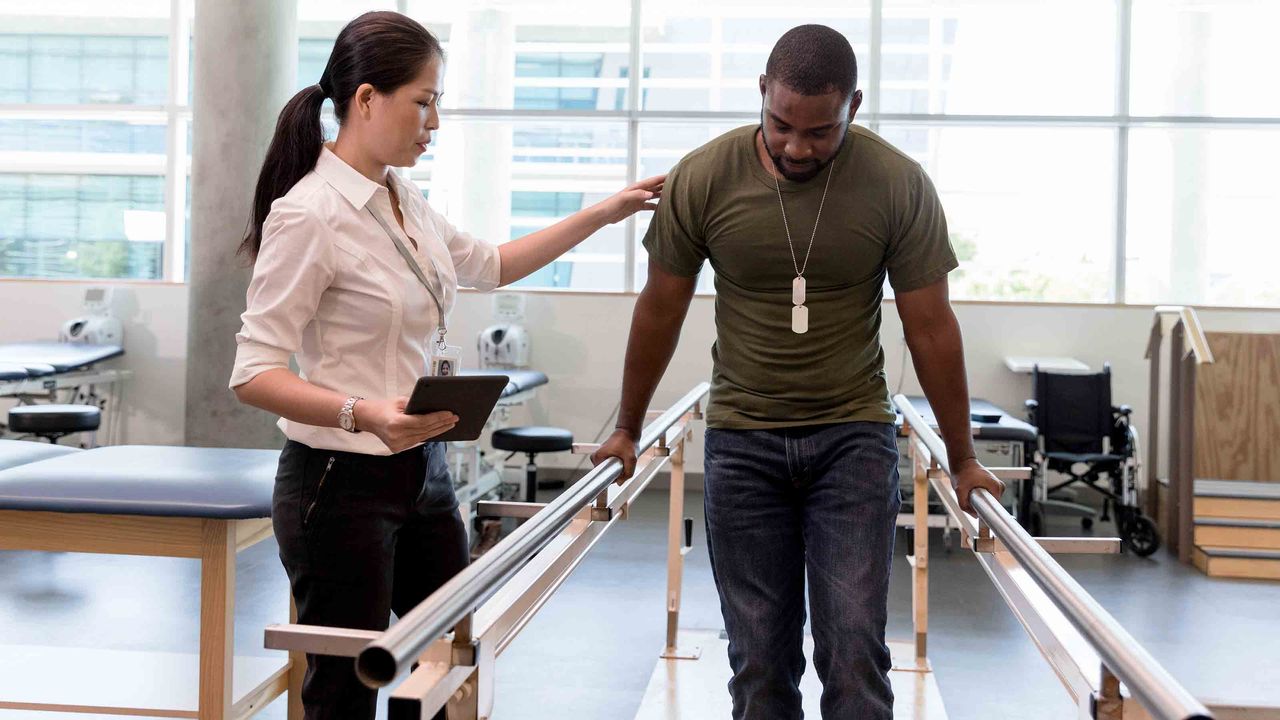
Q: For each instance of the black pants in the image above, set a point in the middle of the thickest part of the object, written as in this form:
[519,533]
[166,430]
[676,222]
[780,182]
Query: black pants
[362,536]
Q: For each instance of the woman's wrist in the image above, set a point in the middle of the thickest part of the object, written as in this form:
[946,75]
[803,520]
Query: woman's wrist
[360,413]
[604,212]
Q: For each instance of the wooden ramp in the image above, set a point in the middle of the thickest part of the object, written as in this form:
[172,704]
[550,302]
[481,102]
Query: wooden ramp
[696,689]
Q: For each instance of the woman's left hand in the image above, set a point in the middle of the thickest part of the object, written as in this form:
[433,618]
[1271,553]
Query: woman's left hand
[635,198]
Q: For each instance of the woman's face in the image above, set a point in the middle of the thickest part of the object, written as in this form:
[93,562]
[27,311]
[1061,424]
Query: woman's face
[402,122]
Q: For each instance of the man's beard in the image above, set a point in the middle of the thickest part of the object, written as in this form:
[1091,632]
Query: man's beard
[804,175]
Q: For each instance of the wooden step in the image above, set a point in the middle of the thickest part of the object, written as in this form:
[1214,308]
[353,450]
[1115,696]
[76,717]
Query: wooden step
[1237,563]
[1228,507]
[1237,499]
[1239,489]
[1237,533]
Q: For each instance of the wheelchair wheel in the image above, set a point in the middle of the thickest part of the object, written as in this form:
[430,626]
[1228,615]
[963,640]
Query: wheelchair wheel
[1140,535]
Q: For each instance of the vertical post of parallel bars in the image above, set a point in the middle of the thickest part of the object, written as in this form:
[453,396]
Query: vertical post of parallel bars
[1108,702]
[920,555]
[297,669]
[465,703]
[675,552]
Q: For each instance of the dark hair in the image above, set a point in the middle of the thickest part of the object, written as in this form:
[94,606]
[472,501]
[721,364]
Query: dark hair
[813,60]
[384,49]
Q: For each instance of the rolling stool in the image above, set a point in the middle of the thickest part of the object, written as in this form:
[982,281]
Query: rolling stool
[531,441]
[52,422]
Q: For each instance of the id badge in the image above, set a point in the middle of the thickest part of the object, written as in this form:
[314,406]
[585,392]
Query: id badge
[445,361]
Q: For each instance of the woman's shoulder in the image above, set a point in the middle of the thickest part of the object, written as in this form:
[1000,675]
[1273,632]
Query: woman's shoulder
[306,197]
[302,216]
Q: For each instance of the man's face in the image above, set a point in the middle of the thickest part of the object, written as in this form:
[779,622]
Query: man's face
[803,133]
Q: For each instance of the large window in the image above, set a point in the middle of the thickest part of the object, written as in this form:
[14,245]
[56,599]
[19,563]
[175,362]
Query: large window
[1085,150]
[87,185]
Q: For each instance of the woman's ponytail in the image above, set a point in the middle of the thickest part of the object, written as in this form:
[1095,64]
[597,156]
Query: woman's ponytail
[382,48]
[294,149]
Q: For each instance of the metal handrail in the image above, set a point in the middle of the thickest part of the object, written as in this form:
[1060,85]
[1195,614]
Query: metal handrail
[391,654]
[1152,685]
[1197,341]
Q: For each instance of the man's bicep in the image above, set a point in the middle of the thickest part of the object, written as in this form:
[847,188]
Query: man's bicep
[925,307]
[667,287]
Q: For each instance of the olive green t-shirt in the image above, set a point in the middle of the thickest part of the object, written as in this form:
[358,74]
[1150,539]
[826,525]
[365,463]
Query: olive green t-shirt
[881,218]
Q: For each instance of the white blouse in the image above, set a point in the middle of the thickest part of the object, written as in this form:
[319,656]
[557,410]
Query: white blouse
[330,287]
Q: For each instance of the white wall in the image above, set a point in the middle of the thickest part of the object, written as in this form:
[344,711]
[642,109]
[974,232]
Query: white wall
[579,341]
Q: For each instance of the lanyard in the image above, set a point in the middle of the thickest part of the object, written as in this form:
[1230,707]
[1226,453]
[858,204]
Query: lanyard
[417,270]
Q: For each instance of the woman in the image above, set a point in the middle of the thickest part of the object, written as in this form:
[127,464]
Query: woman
[355,274]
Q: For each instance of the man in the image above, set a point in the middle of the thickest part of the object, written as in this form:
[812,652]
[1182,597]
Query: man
[802,218]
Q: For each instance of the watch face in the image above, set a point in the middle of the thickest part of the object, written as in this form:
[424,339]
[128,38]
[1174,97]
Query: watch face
[345,421]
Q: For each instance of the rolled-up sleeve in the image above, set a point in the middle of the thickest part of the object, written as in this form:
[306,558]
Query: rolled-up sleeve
[477,262]
[294,267]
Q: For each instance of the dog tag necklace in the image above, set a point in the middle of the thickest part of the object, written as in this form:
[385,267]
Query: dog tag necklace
[800,313]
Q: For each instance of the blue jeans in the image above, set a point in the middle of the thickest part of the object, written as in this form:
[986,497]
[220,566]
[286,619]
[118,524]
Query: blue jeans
[821,499]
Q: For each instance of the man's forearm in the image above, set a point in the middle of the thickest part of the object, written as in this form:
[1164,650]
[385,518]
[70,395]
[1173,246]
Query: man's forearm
[938,356]
[654,333]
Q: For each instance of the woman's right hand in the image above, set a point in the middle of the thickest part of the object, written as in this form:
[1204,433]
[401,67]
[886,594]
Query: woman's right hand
[398,431]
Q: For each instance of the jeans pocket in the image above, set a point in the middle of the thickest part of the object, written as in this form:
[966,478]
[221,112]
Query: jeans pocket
[437,493]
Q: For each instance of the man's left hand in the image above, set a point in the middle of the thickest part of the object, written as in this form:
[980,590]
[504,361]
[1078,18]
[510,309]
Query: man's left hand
[970,476]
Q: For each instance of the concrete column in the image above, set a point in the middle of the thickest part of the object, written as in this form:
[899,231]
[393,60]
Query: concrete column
[245,65]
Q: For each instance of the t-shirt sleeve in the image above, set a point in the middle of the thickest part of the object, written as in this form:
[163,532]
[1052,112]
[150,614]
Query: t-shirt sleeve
[920,251]
[675,237]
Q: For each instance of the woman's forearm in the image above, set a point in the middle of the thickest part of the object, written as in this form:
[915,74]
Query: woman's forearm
[524,255]
[283,393]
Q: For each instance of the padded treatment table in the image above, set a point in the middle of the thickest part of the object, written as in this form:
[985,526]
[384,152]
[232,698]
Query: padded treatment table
[41,369]
[62,357]
[520,380]
[200,503]
[20,452]
[12,371]
[990,423]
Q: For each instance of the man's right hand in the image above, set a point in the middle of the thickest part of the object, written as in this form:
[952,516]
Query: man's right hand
[620,445]
[396,430]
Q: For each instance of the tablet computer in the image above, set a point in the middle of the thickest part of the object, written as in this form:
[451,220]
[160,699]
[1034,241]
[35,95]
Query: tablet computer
[470,397]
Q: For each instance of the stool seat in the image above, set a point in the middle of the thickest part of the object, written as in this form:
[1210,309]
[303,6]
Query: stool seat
[532,439]
[62,419]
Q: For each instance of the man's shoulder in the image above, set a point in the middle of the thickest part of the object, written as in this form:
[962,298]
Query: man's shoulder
[717,154]
[876,153]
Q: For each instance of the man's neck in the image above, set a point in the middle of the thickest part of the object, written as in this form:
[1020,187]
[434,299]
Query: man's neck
[762,154]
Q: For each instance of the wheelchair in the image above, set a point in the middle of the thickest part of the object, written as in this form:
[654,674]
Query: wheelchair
[1083,436]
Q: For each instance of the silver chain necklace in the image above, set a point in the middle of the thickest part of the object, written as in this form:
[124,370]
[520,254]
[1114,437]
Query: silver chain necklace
[800,313]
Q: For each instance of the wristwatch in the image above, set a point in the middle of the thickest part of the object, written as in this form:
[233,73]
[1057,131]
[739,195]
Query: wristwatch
[347,415]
